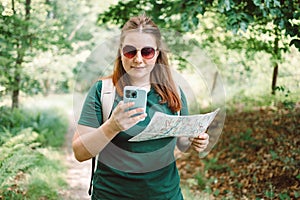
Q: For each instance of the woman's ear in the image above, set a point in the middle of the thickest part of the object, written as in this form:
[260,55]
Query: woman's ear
[157,53]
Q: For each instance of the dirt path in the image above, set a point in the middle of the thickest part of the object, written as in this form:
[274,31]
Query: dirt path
[78,174]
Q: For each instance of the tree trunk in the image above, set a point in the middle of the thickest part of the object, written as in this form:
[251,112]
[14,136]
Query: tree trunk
[17,77]
[274,79]
[13,6]
[16,90]
[21,49]
[27,10]
[277,56]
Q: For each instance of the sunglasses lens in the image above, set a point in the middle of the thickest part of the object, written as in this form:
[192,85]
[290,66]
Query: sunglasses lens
[129,51]
[148,52]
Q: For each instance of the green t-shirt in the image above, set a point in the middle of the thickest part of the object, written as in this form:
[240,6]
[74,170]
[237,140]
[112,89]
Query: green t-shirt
[134,170]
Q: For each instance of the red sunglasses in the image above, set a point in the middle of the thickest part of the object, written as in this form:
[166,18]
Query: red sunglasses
[146,52]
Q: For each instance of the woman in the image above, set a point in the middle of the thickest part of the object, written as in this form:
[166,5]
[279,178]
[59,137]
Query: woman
[135,170]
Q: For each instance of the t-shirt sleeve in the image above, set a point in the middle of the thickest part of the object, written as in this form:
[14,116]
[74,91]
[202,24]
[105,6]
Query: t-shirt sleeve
[184,110]
[91,114]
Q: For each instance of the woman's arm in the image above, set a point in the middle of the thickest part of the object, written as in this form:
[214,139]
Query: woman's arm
[183,143]
[88,142]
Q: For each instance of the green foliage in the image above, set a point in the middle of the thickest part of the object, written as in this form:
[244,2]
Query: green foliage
[256,166]
[212,164]
[27,28]
[28,170]
[270,193]
[38,53]
[297,194]
[47,179]
[178,15]
[283,196]
[280,13]
[50,124]
[187,194]
[274,155]
[270,26]
[12,119]
[202,181]
[184,15]
[52,127]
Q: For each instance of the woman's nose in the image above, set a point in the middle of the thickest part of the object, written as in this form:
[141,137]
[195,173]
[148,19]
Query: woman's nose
[138,57]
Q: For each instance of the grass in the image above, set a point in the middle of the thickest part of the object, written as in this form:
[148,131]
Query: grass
[248,102]
[50,124]
[31,137]
[28,171]
[47,179]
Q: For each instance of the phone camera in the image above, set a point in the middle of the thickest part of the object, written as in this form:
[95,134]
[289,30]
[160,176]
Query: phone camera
[131,94]
[134,94]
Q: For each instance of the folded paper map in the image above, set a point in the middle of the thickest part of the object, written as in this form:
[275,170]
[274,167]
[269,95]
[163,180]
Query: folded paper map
[163,125]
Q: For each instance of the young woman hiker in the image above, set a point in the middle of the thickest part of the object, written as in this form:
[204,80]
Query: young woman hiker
[134,170]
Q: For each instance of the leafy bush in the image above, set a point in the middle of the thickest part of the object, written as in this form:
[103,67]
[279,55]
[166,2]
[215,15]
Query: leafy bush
[14,120]
[50,124]
[29,166]
[16,156]
[27,171]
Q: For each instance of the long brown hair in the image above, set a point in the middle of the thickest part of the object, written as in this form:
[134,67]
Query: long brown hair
[160,77]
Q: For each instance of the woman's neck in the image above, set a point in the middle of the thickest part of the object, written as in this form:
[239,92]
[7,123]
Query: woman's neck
[143,84]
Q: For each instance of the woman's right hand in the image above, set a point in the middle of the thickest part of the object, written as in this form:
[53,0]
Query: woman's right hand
[122,119]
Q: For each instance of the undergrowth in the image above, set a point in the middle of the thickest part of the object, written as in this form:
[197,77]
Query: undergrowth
[30,165]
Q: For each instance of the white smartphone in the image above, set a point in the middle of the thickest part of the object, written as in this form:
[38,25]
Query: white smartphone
[137,95]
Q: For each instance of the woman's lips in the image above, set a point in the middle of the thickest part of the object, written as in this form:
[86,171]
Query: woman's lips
[138,67]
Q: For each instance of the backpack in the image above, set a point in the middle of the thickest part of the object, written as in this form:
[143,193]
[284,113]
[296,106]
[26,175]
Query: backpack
[108,91]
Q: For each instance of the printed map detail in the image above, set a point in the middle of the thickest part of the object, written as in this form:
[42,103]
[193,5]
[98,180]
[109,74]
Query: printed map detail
[163,125]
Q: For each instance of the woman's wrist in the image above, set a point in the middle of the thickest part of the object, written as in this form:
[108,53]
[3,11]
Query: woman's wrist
[110,128]
[183,143]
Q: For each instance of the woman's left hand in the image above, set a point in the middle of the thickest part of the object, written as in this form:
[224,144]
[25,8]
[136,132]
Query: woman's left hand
[200,143]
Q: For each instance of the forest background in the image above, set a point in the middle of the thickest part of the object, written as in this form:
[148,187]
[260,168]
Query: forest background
[50,50]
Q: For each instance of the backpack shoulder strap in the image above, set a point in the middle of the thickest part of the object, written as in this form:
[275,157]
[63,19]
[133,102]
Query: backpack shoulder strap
[92,175]
[107,97]
[108,91]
